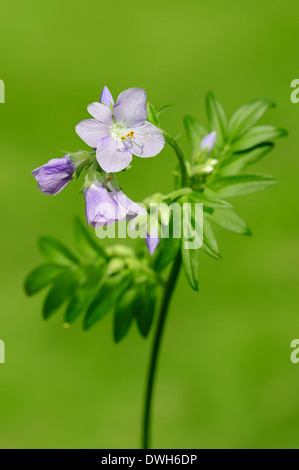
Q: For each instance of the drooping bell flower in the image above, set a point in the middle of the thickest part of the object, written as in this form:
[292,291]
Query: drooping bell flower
[120,130]
[55,175]
[105,205]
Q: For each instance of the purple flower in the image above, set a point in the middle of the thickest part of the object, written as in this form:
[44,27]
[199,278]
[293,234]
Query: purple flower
[55,175]
[119,134]
[208,141]
[152,241]
[105,207]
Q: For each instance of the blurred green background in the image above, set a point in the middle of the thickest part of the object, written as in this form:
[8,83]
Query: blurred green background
[225,376]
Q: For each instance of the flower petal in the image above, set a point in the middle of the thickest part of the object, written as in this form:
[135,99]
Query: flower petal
[113,155]
[128,208]
[147,141]
[55,175]
[106,97]
[101,113]
[130,108]
[91,131]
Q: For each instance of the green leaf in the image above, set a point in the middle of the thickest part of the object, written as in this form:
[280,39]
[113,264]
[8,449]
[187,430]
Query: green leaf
[195,132]
[168,247]
[246,116]
[197,196]
[112,288]
[228,219]
[85,242]
[189,255]
[145,307]
[256,136]
[41,276]
[78,303]
[210,245]
[60,292]
[238,185]
[174,195]
[56,251]
[124,313]
[93,274]
[190,263]
[237,162]
[167,250]
[217,119]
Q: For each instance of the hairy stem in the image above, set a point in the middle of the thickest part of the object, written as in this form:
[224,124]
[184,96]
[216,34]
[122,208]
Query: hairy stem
[169,288]
[156,347]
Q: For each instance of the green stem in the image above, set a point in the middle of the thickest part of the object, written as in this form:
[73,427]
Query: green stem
[181,157]
[170,285]
[156,347]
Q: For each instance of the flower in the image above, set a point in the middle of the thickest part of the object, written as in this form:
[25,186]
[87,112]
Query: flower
[105,207]
[120,130]
[208,141]
[55,175]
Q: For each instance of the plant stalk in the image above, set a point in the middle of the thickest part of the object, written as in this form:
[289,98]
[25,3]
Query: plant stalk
[169,288]
[156,347]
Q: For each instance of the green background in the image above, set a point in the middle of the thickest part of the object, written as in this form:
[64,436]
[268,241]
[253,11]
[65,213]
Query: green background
[225,376]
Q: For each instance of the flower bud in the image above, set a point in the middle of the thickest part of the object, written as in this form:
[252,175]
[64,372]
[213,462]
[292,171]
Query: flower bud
[55,175]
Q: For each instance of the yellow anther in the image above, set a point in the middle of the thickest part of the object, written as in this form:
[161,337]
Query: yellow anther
[131,135]
[123,137]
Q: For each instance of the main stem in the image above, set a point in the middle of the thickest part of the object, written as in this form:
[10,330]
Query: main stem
[156,347]
[169,288]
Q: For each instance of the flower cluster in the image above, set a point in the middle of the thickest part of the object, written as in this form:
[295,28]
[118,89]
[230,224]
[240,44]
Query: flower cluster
[116,133]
